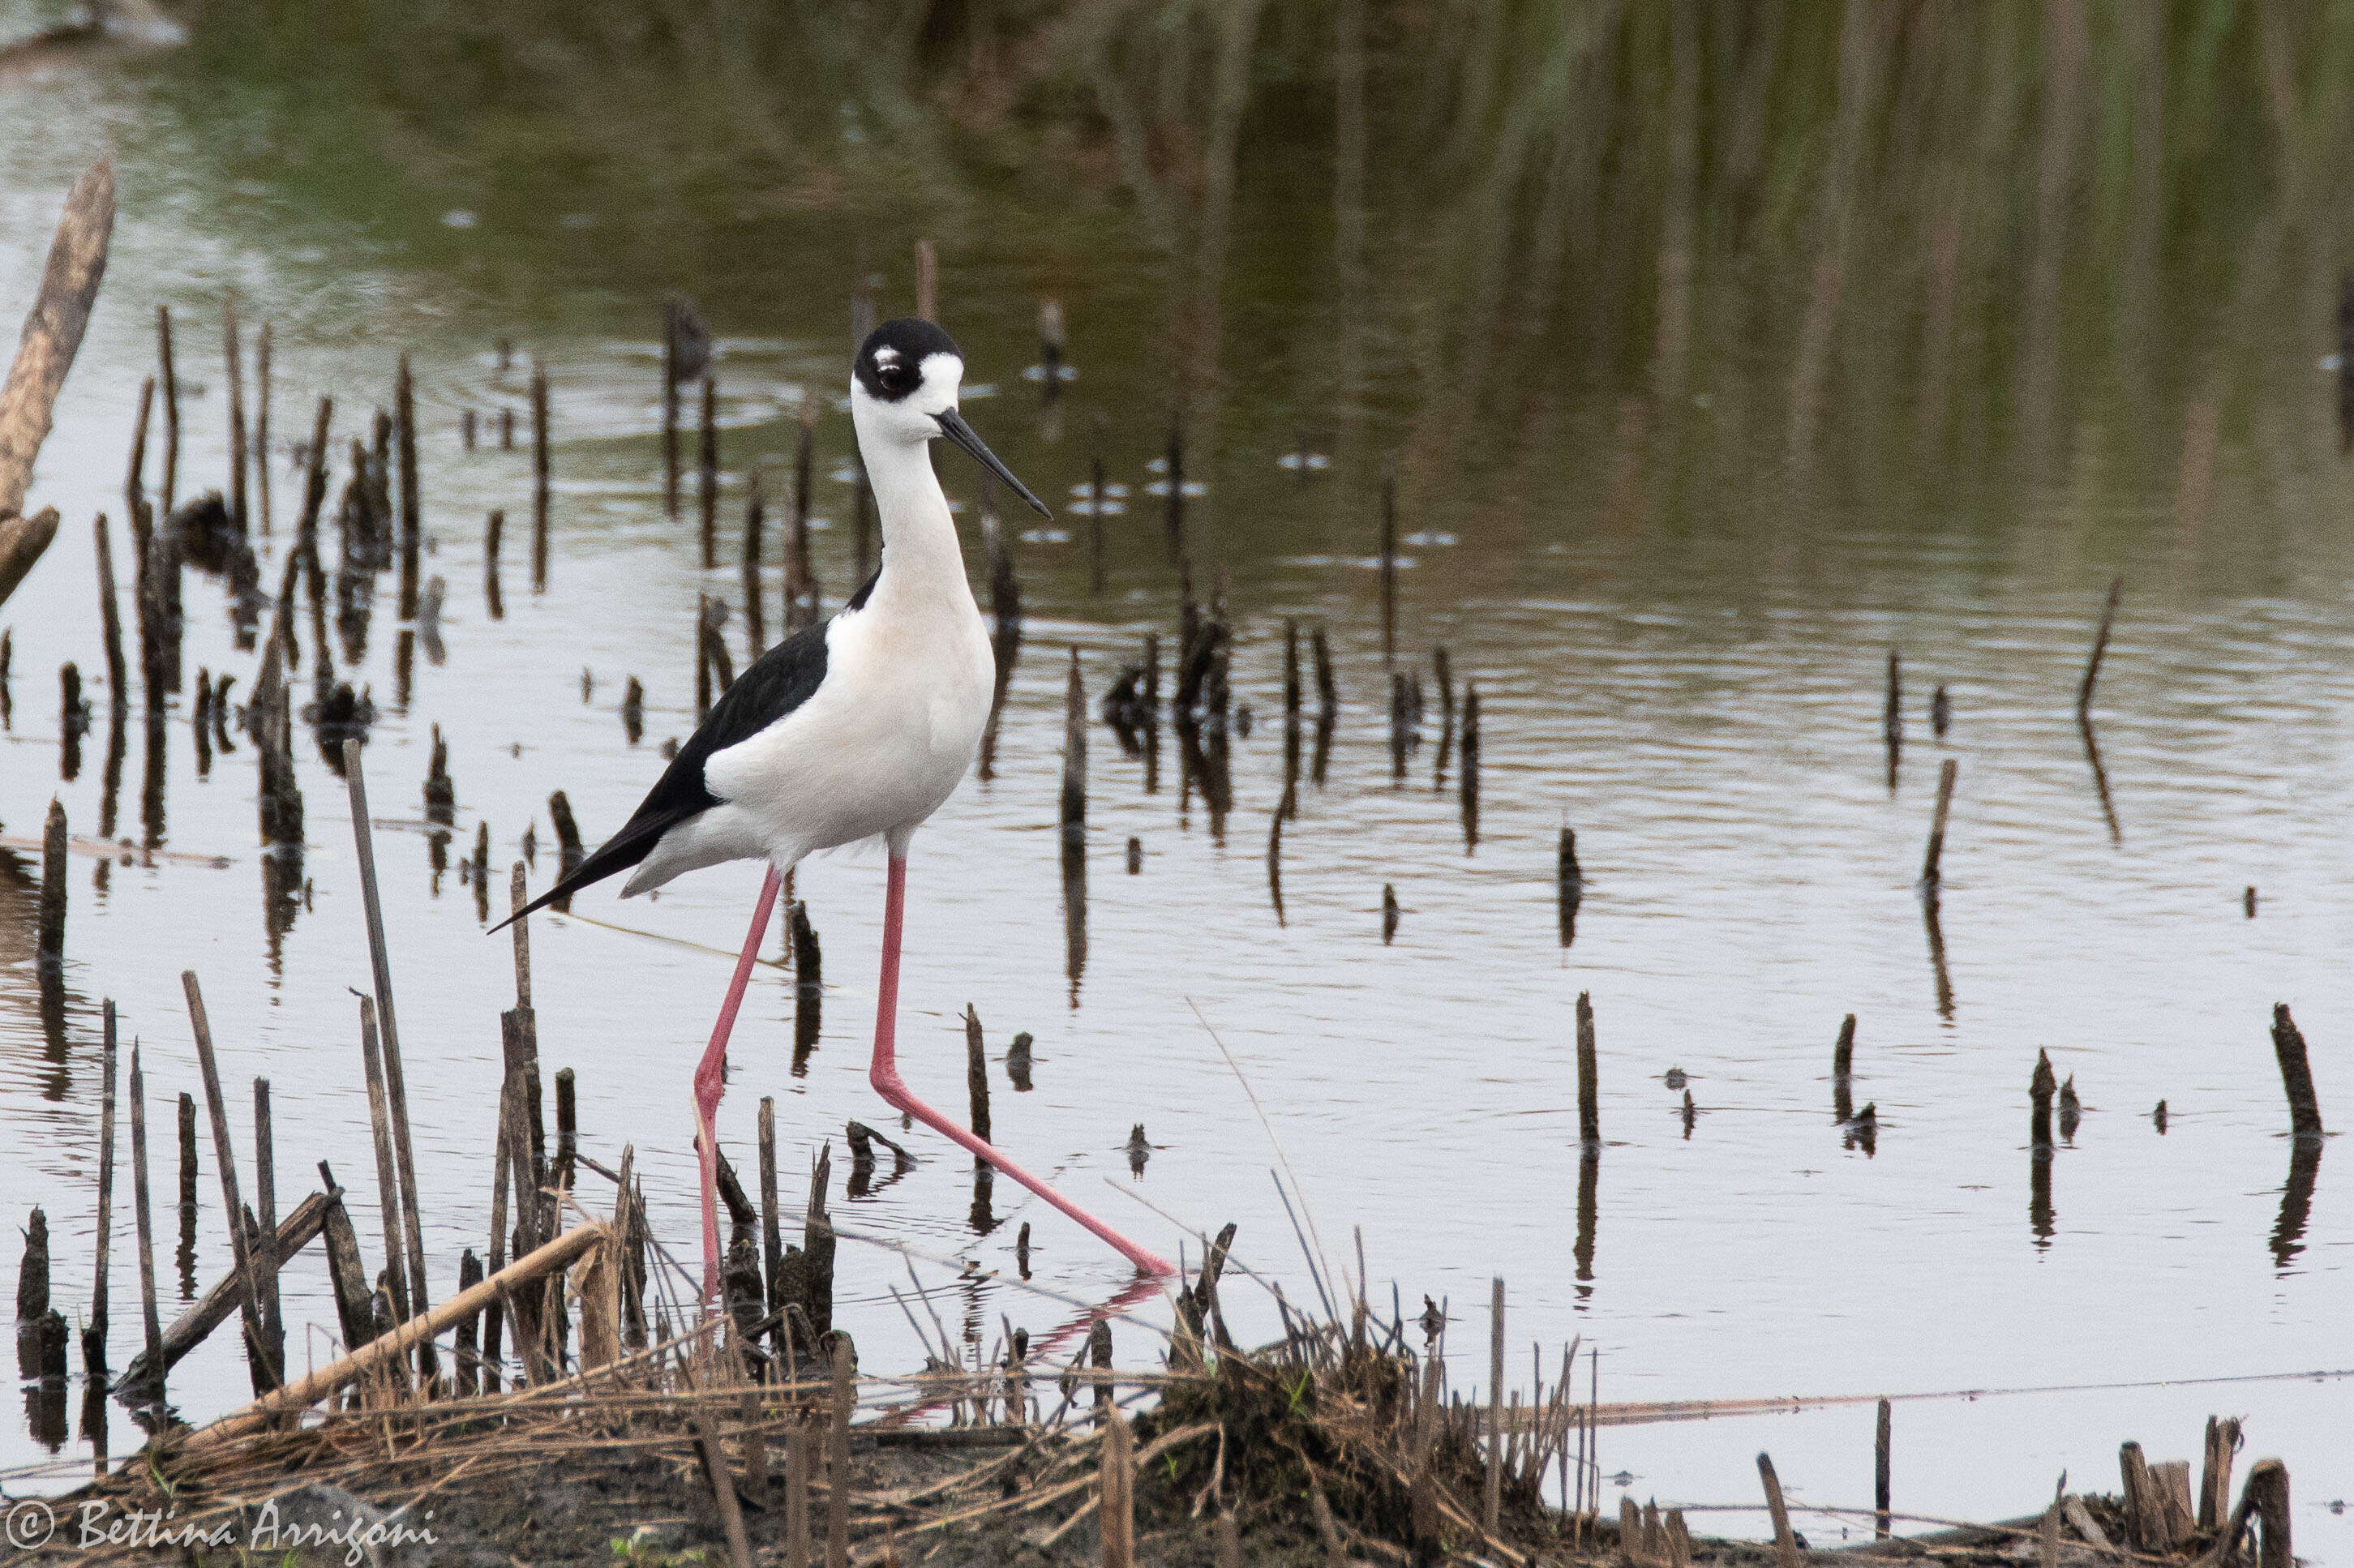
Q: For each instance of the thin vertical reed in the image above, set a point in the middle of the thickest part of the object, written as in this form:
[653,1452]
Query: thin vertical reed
[539,477]
[395,1079]
[267,1374]
[143,1214]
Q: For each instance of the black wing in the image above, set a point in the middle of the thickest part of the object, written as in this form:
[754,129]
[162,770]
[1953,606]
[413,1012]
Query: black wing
[774,684]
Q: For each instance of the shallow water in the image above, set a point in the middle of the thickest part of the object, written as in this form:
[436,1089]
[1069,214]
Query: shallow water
[1676,617]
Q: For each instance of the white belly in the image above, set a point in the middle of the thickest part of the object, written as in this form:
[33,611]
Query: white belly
[879,747]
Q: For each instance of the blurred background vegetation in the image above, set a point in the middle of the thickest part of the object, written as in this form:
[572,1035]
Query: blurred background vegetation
[1894,247]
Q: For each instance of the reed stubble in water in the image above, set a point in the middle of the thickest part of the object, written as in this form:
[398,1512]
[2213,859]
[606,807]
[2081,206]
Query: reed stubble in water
[170,487]
[2296,1075]
[396,1081]
[1569,884]
[756,613]
[493,597]
[266,1364]
[143,1217]
[1589,1114]
[93,1334]
[706,474]
[539,478]
[404,421]
[1842,1068]
[50,944]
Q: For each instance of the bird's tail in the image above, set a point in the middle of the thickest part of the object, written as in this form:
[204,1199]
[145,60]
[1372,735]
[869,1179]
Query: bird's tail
[616,854]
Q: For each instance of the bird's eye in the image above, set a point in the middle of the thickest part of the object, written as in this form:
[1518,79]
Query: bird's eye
[897,378]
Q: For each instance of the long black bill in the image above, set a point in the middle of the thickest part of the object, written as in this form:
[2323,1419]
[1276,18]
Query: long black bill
[953,427]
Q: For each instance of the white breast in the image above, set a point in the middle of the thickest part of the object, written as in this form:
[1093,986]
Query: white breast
[881,745]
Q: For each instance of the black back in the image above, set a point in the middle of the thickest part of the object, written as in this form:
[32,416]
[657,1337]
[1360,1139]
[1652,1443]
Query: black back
[776,684]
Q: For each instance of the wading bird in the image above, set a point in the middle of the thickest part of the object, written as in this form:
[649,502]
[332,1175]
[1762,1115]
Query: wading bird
[857,728]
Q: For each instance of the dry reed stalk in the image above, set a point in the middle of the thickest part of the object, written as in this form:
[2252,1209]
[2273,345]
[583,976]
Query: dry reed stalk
[266,1370]
[1786,1544]
[551,1258]
[539,477]
[52,335]
[150,1318]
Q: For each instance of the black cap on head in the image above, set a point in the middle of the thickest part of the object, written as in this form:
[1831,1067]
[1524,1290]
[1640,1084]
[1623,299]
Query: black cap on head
[890,361]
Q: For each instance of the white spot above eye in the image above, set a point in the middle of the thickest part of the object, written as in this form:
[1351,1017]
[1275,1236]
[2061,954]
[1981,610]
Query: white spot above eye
[886,355]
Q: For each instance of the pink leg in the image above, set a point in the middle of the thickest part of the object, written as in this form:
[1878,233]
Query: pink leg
[885,1075]
[711,1082]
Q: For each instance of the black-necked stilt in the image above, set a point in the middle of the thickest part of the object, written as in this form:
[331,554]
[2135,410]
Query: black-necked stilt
[856,728]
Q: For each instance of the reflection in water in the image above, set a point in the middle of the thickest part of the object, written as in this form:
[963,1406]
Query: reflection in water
[1929,917]
[1569,881]
[2039,1195]
[118,722]
[809,988]
[2100,776]
[1074,912]
[73,719]
[2296,1200]
[984,1180]
[151,786]
[1589,1178]
[282,898]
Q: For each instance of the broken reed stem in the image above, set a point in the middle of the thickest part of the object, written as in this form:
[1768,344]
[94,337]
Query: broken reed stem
[1932,873]
[151,1320]
[118,678]
[2100,648]
[93,1341]
[976,1074]
[1492,1499]
[844,1378]
[1114,1493]
[2296,1075]
[1879,1473]
[171,412]
[1589,1114]
[707,473]
[50,944]
[539,477]
[266,1370]
[1786,1544]
[395,1080]
[387,1178]
[261,424]
[404,428]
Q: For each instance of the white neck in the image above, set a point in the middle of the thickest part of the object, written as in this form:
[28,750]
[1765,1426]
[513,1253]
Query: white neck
[921,557]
